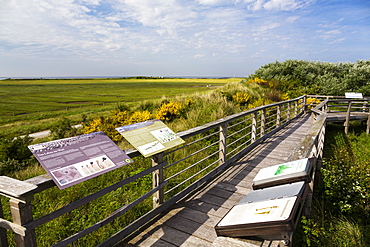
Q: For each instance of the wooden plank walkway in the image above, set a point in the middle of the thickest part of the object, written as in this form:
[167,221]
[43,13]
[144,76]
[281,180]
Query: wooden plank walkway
[191,222]
[341,116]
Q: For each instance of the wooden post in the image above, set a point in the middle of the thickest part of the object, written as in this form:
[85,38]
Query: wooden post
[368,123]
[21,210]
[254,127]
[263,122]
[158,197]
[278,116]
[364,106]
[305,107]
[348,116]
[3,237]
[222,145]
[321,143]
[21,195]
[295,108]
[289,109]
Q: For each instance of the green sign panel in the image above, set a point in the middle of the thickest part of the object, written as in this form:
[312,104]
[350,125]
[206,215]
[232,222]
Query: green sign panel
[150,137]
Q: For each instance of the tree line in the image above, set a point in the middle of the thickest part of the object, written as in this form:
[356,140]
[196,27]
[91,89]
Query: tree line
[299,77]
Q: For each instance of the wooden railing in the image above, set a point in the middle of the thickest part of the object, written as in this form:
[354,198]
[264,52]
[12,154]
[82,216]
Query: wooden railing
[344,110]
[209,149]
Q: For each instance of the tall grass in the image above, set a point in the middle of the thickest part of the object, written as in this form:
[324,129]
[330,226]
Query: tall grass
[341,207]
[205,107]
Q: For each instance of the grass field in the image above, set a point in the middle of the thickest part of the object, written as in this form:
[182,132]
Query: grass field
[22,102]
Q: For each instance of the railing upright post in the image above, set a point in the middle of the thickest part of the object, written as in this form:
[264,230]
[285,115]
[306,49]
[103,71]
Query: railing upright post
[321,146]
[368,123]
[289,109]
[3,237]
[263,122]
[295,108]
[278,116]
[222,146]
[158,197]
[254,127]
[21,210]
[305,107]
[348,115]
[364,104]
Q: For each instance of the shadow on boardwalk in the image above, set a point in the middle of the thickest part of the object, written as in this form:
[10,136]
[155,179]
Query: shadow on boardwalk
[191,221]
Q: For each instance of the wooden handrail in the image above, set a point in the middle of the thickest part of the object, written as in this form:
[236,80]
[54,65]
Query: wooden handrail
[237,134]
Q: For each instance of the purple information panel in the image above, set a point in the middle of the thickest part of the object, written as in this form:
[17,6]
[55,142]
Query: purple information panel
[73,160]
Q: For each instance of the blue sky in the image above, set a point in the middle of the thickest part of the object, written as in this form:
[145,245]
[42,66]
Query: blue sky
[47,38]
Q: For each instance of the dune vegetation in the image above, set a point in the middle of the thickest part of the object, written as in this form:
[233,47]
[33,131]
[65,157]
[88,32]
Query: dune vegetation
[340,215]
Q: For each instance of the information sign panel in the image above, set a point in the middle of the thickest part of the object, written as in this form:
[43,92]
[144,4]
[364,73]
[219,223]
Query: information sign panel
[150,137]
[270,193]
[293,171]
[268,213]
[353,95]
[257,212]
[73,160]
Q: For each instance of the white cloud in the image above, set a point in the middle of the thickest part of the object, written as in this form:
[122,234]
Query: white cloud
[292,19]
[279,5]
[142,32]
[257,5]
[337,41]
[167,15]
[199,56]
[286,5]
[268,27]
[329,34]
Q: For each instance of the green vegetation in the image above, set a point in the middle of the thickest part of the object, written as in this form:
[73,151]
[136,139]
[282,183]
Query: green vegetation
[298,77]
[28,106]
[340,215]
[341,207]
[180,113]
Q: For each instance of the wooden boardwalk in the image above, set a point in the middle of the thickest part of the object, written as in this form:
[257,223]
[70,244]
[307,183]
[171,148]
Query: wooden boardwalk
[191,221]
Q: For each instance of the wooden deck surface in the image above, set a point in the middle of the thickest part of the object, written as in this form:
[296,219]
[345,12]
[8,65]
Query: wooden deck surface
[341,116]
[191,222]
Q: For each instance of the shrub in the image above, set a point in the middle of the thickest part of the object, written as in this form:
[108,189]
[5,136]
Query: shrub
[170,111]
[12,165]
[138,116]
[312,102]
[273,95]
[346,174]
[15,148]
[105,124]
[260,102]
[63,129]
[241,98]
[259,81]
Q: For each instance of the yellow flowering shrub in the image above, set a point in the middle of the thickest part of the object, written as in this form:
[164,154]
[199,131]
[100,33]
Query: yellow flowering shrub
[170,111]
[285,97]
[241,98]
[312,102]
[260,102]
[139,116]
[120,117]
[257,80]
[105,124]
[189,102]
[263,83]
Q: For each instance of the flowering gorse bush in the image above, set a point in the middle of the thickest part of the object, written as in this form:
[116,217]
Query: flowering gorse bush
[118,118]
[170,111]
[241,98]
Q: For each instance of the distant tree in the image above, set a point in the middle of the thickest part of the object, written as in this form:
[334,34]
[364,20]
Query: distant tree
[317,77]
